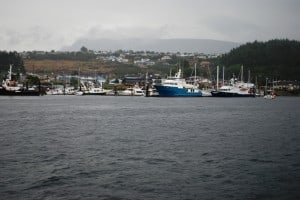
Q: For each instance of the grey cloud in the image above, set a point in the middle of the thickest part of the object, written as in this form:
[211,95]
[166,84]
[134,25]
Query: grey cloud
[32,26]
[231,28]
[125,32]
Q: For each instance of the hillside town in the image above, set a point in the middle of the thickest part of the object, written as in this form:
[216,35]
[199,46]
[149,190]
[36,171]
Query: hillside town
[122,69]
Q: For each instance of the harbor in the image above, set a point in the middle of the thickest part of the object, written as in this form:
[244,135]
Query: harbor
[149,100]
[172,86]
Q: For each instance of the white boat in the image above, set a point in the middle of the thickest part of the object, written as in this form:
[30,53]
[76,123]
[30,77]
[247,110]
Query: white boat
[206,93]
[270,95]
[90,88]
[78,93]
[132,91]
[55,91]
[10,87]
[70,91]
[235,88]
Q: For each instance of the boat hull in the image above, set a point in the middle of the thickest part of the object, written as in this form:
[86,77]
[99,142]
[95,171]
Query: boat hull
[99,94]
[4,92]
[230,94]
[166,91]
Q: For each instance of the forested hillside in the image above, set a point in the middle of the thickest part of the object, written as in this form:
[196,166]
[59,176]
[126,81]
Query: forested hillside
[278,59]
[11,58]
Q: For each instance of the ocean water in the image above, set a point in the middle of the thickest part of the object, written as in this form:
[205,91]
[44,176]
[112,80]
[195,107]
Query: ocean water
[98,147]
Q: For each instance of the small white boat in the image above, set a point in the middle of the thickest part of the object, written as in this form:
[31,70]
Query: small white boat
[94,91]
[90,88]
[78,93]
[132,91]
[270,95]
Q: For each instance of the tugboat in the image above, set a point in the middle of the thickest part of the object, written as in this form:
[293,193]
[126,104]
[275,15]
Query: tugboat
[11,87]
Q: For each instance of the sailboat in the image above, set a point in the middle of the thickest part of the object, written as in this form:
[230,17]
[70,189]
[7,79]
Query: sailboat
[269,93]
[235,88]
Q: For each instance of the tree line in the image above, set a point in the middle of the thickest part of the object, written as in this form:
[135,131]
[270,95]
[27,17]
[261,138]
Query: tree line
[275,59]
[11,58]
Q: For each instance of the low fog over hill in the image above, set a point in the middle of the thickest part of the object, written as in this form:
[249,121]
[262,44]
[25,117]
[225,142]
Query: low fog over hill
[159,45]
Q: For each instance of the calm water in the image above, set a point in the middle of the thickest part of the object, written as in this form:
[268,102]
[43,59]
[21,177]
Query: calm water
[72,147]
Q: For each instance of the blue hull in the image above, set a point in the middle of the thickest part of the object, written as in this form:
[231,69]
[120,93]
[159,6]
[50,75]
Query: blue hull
[229,94]
[166,91]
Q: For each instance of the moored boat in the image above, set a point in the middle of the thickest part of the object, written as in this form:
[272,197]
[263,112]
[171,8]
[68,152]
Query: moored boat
[175,86]
[10,87]
[132,91]
[91,88]
[235,88]
[270,95]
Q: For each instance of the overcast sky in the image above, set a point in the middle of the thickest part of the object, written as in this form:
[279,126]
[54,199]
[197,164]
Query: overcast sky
[52,24]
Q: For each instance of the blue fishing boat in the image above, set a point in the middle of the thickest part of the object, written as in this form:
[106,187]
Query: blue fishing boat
[175,86]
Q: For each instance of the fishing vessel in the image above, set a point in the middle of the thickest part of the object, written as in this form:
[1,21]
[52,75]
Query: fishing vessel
[176,86]
[235,88]
[10,87]
[91,88]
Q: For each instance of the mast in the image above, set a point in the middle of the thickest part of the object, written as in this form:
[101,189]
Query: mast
[242,73]
[256,84]
[9,73]
[266,86]
[195,73]
[218,77]
[147,85]
[249,76]
[78,80]
[223,76]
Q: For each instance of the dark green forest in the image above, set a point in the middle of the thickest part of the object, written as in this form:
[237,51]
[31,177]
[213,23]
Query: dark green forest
[11,58]
[275,59]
